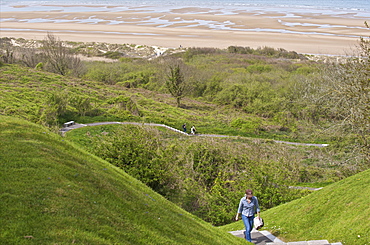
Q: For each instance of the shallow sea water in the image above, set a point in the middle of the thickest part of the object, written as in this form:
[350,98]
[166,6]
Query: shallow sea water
[293,17]
[361,7]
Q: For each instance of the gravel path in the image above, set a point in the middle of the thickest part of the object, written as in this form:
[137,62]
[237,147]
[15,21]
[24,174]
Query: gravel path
[76,125]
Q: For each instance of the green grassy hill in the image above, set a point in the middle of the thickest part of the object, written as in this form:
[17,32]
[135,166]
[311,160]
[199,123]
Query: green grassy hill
[54,193]
[338,212]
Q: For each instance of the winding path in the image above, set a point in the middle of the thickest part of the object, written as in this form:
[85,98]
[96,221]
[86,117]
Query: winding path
[77,125]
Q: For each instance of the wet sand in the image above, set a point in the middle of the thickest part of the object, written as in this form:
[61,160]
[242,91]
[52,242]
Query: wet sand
[193,27]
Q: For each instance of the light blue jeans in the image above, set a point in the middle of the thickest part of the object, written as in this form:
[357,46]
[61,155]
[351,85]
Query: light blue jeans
[248,223]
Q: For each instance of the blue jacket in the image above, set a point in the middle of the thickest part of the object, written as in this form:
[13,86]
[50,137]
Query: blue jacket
[248,209]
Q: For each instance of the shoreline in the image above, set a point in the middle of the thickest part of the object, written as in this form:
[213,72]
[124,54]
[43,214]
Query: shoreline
[193,27]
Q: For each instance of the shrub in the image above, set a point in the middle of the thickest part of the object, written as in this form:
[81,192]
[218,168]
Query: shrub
[111,55]
[39,66]
[259,68]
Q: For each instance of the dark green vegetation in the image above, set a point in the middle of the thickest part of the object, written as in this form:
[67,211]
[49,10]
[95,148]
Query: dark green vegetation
[236,92]
[338,212]
[205,176]
[52,192]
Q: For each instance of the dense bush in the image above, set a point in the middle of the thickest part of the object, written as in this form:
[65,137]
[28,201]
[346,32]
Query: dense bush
[204,176]
[266,51]
[125,73]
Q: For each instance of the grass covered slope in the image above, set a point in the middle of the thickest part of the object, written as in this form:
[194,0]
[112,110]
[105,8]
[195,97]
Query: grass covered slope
[339,212]
[51,192]
[51,99]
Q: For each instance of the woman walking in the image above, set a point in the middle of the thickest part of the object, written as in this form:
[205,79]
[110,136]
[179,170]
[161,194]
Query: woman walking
[193,130]
[248,206]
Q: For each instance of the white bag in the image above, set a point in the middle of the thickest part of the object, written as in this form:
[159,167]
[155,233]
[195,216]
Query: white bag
[258,223]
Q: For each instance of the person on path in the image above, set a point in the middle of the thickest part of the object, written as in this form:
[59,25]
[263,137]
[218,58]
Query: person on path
[192,130]
[248,207]
[184,127]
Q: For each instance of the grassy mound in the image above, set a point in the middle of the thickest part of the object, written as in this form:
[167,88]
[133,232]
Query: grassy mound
[338,212]
[54,193]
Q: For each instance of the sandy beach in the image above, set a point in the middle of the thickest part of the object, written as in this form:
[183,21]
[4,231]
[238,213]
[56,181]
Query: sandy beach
[193,27]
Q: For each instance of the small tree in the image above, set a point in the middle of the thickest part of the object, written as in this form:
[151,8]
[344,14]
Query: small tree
[59,58]
[54,108]
[81,103]
[176,83]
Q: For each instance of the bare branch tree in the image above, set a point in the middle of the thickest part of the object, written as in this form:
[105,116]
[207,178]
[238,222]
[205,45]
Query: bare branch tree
[348,87]
[59,58]
[341,95]
[30,56]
